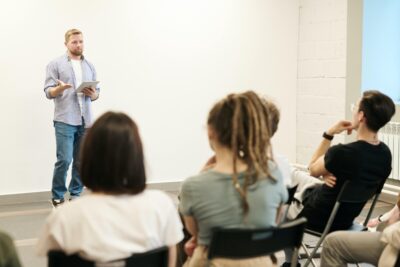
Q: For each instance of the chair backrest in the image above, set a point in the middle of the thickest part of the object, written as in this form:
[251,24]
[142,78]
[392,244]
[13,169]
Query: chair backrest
[239,243]
[348,196]
[156,257]
[345,200]
[354,191]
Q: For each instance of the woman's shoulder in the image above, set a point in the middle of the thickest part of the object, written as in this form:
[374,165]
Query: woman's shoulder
[275,172]
[201,178]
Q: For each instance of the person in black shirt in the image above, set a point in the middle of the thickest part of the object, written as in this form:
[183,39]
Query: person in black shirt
[366,162]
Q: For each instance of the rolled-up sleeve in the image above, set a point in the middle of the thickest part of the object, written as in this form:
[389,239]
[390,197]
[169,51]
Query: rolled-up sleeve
[51,79]
[185,199]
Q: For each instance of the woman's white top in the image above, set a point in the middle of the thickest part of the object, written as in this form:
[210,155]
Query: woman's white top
[109,227]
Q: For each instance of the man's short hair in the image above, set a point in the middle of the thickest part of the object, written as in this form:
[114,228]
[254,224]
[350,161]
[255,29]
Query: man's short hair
[378,109]
[274,116]
[71,32]
[112,158]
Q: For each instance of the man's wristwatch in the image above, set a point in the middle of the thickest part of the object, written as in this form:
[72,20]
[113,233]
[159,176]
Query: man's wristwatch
[327,136]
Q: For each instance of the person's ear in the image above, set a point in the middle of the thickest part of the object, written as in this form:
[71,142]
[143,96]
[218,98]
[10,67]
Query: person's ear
[361,116]
[211,137]
[211,133]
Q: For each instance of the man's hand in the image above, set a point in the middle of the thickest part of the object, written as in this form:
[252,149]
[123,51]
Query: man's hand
[340,127]
[59,89]
[63,86]
[90,92]
[329,180]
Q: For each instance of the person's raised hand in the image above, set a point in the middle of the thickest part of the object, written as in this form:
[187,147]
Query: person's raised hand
[64,85]
[341,126]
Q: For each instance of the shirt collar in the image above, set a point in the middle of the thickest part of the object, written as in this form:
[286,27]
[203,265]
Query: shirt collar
[69,59]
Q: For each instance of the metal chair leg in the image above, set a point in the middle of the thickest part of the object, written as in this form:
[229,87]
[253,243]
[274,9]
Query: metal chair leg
[308,256]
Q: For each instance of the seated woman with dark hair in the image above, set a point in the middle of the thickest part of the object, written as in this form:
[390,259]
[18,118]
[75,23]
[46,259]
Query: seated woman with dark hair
[119,217]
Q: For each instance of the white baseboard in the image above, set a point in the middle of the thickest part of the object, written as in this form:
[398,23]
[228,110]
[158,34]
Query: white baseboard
[24,198]
[165,186]
[389,193]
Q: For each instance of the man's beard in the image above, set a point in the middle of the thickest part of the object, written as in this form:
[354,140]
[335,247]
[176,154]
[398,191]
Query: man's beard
[76,53]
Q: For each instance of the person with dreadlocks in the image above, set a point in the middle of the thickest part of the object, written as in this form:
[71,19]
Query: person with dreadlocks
[244,188]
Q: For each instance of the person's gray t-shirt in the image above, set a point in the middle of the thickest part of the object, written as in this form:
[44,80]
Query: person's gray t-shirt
[212,200]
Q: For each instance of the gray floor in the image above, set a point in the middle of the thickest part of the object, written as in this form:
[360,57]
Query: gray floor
[24,221]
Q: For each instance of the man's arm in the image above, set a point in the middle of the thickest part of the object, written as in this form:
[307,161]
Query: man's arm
[53,87]
[317,163]
[59,89]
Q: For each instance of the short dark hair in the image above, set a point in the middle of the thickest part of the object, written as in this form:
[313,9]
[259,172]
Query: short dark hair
[112,158]
[274,116]
[378,109]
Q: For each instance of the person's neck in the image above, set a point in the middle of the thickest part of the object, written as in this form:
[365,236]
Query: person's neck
[364,134]
[224,161]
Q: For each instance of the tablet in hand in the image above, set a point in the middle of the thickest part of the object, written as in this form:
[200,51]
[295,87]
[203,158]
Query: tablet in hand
[86,84]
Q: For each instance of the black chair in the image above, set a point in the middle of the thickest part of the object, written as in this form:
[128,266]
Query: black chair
[241,243]
[345,197]
[397,264]
[157,257]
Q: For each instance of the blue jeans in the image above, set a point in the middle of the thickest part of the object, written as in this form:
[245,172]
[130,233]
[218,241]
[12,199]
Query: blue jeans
[68,140]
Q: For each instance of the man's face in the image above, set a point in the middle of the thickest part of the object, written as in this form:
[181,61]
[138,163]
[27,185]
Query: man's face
[75,44]
[357,116]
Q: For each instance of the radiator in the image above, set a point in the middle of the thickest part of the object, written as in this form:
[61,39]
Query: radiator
[390,135]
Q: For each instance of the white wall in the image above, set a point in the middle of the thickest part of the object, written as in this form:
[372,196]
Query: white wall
[163,62]
[321,92]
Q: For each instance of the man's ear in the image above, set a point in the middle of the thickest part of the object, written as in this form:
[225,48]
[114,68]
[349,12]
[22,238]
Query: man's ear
[361,116]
